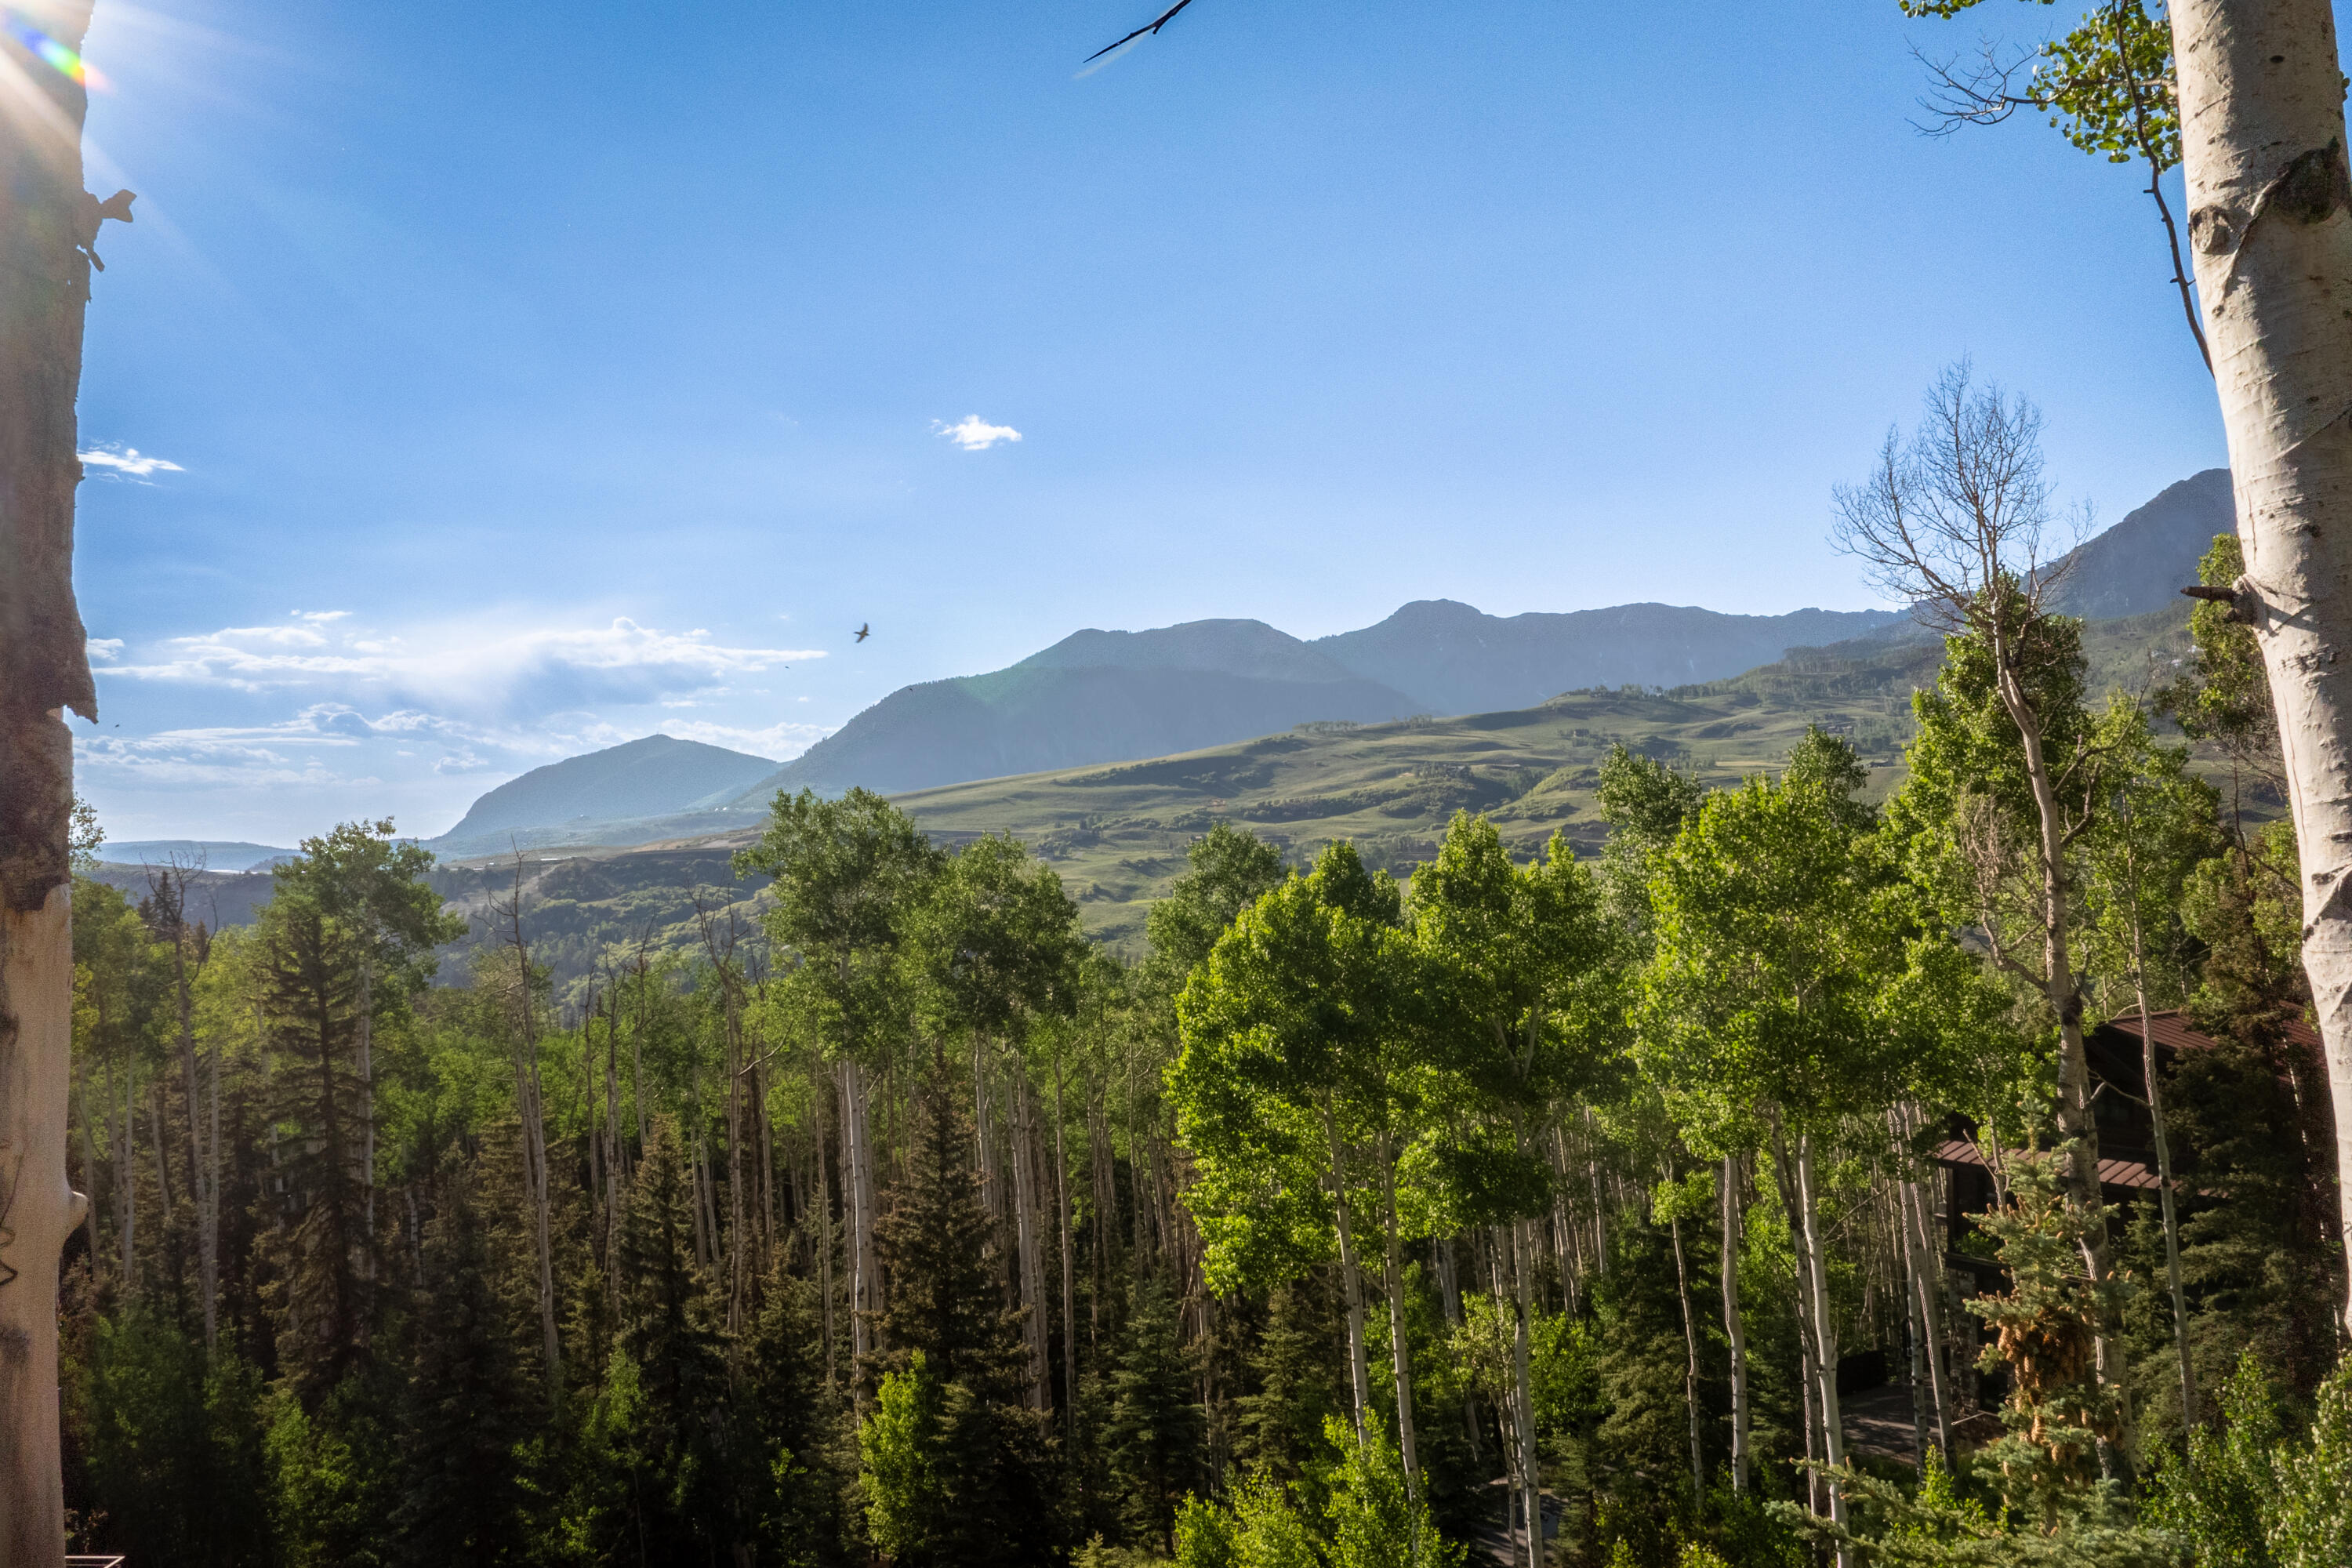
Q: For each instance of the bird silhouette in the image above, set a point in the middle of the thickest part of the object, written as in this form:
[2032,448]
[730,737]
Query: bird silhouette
[862,634]
[1151,26]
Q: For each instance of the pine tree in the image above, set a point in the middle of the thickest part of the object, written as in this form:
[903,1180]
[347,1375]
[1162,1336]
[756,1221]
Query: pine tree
[986,1459]
[670,1337]
[326,1307]
[1296,1366]
[1156,1425]
[466,1408]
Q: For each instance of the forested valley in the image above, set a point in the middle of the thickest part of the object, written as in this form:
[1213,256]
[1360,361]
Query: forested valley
[1347,1221]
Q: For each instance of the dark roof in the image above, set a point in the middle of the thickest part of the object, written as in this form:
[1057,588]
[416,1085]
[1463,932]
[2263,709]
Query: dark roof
[2173,1030]
[2131,1173]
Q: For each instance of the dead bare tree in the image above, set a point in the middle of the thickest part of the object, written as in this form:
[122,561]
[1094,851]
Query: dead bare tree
[48,229]
[1954,521]
[529,1102]
[167,896]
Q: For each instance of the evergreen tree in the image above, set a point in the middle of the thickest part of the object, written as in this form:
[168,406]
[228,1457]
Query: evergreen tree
[466,1410]
[670,1337]
[1295,1363]
[983,1489]
[326,1295]
[1156,1423]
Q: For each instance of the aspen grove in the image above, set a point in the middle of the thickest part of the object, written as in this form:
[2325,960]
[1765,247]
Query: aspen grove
[1555,1210]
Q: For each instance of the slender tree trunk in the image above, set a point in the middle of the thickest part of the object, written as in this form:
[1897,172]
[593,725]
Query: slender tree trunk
[2075,1122]
[2171,1219]
[1069,1279]
[174,893]
[367,1086]
[89,1156]
[1523,1408]
[825,1244]
[2263,147]
[1927,1298]
[1024,1230]
[865,1275]
[1817,1294]
[1690,1370]
[126,1177]
[1400,1343]
[1359,1363]
[1735,1324]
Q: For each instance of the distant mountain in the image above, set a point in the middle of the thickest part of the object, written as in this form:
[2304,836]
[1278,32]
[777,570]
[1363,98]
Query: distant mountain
[1101,697]
[2143,562]
[1094,697]
[657,776]
[211,854]
[1453,658]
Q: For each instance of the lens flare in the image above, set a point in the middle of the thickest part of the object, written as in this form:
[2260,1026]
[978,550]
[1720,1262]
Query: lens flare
[58,57]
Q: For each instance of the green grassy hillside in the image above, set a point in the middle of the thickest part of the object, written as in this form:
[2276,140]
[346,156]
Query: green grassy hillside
[1118,834]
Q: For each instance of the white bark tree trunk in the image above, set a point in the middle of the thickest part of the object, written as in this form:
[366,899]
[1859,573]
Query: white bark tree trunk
[1024,1229]
[49,225]
[2270,224]
[1734,1323]
[864,1295]
[1360,1366]
[36,1046]
[1399,1344]
[1690,1369]
[1523,1407]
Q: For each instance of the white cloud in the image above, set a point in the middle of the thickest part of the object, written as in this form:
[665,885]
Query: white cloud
[783,741]
[975,434]
[103,648]
[488,671]
[128,461]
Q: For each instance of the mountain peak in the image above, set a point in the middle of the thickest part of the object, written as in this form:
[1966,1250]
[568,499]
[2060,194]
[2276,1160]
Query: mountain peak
[654,775]
[1245,647]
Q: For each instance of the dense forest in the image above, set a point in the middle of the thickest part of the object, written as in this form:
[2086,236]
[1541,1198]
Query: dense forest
[1347,1221]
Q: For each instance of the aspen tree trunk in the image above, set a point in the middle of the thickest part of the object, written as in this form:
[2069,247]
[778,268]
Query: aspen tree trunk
[1690,1371]
[2171,1220]
[49,225]
[1523,1407]
[88,1156]
[1360,1367]
[367,1093]
[1817,1334]
[1817,1294]
[199,1165]
[858,1185]
[1918,1248]
[824,1184]
[1399,1345]
[1734,1323]
[1025,1227]
[2263,152]
[126,1177]
[1069,1279]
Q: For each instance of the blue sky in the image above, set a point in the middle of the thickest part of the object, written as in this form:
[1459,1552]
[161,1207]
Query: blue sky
[534,377]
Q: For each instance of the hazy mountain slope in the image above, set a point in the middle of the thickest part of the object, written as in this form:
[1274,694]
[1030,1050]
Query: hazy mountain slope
[1250,649]
[656,777]
[1033,717]
[2142,562]
[213,854]
[1454,658]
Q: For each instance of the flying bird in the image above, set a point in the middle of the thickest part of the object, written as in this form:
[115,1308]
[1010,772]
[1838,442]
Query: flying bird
[1153,27]
[862,632]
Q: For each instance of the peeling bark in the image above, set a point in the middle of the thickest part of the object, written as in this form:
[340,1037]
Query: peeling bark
[49,225]
[2270,223]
